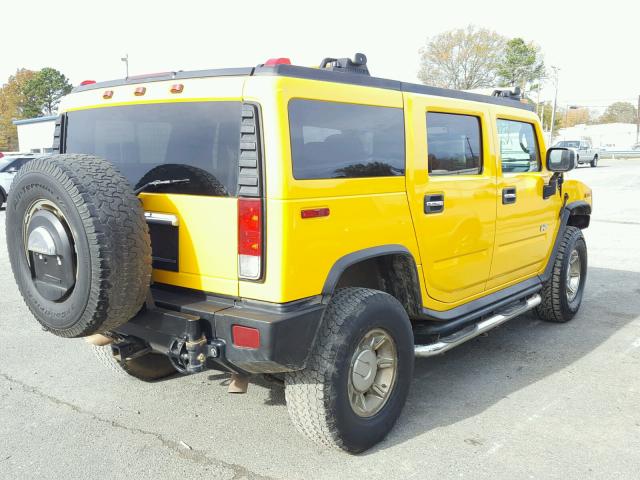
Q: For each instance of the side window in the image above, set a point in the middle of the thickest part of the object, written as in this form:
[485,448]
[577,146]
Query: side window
[454,144]
[518,146]
[343,140]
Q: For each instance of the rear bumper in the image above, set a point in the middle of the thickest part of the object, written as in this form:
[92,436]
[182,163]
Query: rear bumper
[195,329]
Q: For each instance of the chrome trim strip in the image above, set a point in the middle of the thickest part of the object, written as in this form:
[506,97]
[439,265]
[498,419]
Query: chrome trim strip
[162,218]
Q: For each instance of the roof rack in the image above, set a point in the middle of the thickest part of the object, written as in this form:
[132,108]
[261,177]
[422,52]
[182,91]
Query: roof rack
[357,65]
[513,93]
[338,70]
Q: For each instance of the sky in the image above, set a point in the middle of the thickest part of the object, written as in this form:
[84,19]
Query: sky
[595,44]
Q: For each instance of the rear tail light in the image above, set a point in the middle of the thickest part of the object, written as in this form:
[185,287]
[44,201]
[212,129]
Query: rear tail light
[87,82]
[250,238]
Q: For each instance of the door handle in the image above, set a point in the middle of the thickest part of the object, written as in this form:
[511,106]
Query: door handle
[433,203]
[509,195]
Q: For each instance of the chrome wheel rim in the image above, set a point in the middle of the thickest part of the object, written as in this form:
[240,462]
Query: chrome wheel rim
[573,275]
[373,372]
[51,207]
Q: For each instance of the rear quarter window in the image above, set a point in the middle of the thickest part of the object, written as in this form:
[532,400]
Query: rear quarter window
[342,140]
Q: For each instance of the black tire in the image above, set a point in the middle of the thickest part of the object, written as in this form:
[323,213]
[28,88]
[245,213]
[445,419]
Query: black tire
[556,305]
[112,245]
[594,162]
[3,197]
[317,397]
[149,367]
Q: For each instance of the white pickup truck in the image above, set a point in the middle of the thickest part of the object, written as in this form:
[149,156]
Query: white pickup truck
[585,152]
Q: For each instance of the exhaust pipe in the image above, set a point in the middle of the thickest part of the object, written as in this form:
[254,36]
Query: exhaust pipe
[461,336]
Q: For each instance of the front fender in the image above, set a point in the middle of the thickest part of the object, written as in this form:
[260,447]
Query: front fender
[577,191]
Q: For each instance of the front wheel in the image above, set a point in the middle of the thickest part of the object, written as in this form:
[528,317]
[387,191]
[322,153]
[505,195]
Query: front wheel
[358,376]
[562,293]
[594,162]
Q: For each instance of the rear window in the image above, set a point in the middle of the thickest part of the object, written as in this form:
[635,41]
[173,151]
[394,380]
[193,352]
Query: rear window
[194,141]
[342,140]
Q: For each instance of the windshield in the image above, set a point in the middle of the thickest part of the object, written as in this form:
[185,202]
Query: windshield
[568,144]
[196,142]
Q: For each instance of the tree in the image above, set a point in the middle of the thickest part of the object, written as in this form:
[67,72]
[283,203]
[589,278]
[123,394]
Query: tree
[12,106]
[575,116]
[620,112]
[44,91]
[462,59]
[545,111]
[521,64]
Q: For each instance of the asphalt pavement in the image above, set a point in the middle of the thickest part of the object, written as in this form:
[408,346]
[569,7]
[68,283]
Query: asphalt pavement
[528,400]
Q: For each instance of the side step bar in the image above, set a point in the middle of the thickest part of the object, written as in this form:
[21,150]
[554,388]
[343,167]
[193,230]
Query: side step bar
[472,331]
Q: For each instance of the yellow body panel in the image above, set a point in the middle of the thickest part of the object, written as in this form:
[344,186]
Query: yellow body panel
[525,230]
[364,212]
[208,239]
[457,243]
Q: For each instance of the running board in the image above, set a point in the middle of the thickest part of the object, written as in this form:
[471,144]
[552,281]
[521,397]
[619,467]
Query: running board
[472,331]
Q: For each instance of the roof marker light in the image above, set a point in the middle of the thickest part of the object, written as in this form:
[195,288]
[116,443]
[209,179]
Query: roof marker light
[272,62]
[87,82]
[107,94]
[140,91]
[177,88]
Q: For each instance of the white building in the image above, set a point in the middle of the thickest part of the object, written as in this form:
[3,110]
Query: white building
[35,135]
[612,136]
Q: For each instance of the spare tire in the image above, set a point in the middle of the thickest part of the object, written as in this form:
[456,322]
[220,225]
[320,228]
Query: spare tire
[78,243]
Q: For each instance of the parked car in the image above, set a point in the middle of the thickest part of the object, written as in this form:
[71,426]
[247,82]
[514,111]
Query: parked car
[9,166]
[317,225]
[585,152]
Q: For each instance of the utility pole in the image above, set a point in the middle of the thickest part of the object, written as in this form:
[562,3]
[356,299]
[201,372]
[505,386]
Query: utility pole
[555,104]
[638,122]
[125,59]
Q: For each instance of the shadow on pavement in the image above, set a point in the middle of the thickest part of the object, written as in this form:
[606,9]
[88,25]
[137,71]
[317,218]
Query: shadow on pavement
[476,375]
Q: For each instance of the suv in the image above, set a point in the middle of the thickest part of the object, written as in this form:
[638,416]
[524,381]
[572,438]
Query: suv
[584,150]
[9,166]
[317,225]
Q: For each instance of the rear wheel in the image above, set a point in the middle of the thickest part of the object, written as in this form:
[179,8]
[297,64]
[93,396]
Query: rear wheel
[3,197]
[594,162]
[148,367]
[357,378]
[562,293]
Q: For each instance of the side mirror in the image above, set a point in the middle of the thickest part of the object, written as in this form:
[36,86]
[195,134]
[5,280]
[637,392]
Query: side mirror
[560,159]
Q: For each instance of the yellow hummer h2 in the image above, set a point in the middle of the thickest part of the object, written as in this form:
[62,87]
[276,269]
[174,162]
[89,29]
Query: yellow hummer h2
[318,225]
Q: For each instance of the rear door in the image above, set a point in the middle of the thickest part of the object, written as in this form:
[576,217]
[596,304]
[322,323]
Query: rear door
[193,141]
[526,222]
[452,192]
